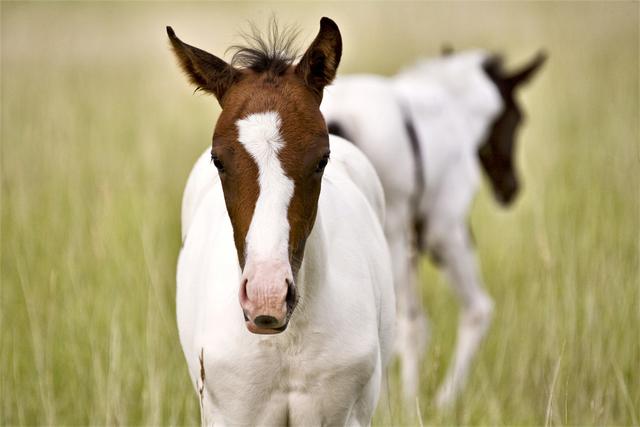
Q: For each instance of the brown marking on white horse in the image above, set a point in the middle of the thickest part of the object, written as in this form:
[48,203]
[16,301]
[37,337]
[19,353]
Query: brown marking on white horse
[270,146]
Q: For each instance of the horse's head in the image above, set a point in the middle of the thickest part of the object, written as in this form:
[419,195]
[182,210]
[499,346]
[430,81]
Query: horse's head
[497,151]
[270,146]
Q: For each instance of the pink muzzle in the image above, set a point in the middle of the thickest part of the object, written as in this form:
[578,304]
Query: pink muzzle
[267,296]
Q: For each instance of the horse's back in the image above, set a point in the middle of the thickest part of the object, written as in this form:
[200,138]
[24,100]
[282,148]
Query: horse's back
[364,107]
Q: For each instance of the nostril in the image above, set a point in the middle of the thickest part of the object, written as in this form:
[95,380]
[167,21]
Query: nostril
[265,321]
[292,296]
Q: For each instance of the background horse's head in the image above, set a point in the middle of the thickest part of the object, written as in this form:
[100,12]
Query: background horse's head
[270,146]
[497,151]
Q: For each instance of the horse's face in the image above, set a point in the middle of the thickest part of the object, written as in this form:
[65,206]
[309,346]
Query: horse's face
[497,153]
[498,150]
[270,146]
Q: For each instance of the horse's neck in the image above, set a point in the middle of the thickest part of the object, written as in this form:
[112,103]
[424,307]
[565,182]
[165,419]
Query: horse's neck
[313,270]
[476,132]
[467,100]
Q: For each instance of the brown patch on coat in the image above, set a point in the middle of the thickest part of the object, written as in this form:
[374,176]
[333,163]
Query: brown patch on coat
[268,81]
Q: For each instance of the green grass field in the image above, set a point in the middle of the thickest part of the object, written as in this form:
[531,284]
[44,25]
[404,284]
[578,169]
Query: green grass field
[100,129]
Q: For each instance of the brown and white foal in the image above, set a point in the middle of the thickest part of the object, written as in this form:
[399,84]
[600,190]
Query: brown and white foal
[285,299]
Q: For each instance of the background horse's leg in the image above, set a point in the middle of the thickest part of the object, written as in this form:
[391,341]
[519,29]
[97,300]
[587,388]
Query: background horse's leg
[459,262]
[413,334]
[412,330]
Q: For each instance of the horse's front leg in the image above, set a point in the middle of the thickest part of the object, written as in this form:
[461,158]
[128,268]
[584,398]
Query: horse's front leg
[456,252]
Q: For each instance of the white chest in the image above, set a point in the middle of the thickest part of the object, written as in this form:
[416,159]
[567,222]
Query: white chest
[283,379]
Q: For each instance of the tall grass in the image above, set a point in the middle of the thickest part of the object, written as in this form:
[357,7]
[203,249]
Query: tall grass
[99,133]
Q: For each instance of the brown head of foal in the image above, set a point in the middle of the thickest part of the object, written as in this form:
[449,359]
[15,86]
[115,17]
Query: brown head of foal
[270,146]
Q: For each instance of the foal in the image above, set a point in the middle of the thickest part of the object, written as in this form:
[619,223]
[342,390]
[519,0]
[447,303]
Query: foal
[428,132]
[285,298]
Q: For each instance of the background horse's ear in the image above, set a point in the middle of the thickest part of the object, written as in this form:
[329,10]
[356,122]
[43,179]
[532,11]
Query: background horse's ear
[203,69]
[319,63]
[527,71]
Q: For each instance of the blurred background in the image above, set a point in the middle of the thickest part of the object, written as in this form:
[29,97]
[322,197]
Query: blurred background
[99,132]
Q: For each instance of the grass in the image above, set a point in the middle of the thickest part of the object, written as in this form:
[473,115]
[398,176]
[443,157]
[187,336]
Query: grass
[99,133]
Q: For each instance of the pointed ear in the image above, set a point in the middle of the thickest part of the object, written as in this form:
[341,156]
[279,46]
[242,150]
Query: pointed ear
[319,63]
[524,74]
[204,70]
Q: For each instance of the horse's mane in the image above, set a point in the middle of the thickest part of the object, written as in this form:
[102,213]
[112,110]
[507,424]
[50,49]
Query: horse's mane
[272,52]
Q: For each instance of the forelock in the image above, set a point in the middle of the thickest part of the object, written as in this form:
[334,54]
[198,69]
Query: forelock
[271,52]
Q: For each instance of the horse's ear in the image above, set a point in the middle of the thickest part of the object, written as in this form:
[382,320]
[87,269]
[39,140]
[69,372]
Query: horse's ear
[524,74]
[203,69]
[319,63]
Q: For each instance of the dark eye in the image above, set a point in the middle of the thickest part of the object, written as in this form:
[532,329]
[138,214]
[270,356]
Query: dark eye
[322,163]
[217,163]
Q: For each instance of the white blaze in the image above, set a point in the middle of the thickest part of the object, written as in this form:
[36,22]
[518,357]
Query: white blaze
[268,235]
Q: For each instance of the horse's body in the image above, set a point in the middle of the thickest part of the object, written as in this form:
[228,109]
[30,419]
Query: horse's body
[323,363]
[454,108]
[312,374]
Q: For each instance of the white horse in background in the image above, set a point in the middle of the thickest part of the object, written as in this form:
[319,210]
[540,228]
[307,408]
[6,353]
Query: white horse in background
[428,131]
[285,298]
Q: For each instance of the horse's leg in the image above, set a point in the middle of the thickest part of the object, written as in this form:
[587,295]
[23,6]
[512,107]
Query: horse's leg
[411,333]
[364,408]
[456,252]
